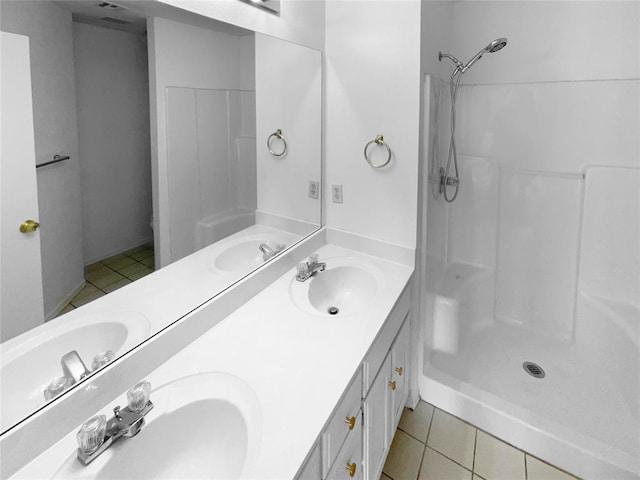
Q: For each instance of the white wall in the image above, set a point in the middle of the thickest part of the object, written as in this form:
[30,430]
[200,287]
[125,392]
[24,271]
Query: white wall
[214,62]
[533,119]
[55,123]
[112,91]
[289,98]
[373,87]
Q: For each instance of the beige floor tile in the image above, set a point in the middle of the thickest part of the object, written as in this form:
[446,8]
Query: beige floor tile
[115,286]
[405,455]
[78,302]
[93,266]
[97,273]
[452,437]
[438,467]
[142,254]
[142,273]
[107,279]
[416,422]
[477,477]
[88,289]
[132,269]
[149,262]
[538,470]
[384,477]
[495,460]
[121,263]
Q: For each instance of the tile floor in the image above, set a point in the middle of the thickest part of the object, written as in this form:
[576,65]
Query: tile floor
[112,273]
[430,444]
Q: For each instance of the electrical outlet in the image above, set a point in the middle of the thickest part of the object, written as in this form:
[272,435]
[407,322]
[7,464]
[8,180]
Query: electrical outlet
[336,193]
[314,189]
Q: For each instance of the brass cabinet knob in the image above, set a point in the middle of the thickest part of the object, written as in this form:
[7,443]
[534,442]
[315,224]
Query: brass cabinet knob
[29,226]
[392,384]
[351,421]
[399,370]
[352,468]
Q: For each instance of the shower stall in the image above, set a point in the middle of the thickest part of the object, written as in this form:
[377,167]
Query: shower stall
[530,279]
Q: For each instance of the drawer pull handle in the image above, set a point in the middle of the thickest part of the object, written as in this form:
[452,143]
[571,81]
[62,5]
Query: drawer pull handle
[351,421]
[352,468]
[392,385]
[399,370]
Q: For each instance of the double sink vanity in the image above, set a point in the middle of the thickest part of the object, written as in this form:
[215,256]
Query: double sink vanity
[280,376]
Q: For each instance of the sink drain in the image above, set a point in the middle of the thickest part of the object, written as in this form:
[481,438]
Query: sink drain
[533,369]
[333,310]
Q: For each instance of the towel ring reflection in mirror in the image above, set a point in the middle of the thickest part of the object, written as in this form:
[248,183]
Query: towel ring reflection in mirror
[277,135]
[379,140]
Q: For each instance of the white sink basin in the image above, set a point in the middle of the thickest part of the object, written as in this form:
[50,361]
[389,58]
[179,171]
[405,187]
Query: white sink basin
[346,287]
[207,425]
[30,362]
[244,254]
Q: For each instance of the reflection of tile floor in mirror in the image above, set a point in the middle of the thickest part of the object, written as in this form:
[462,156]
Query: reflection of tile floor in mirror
[112,273]
[430,444]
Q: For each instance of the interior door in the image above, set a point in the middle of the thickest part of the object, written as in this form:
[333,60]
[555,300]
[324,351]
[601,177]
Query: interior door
[21,300]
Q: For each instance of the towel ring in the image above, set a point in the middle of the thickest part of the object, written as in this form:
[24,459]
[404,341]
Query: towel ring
[277,134]
[379,140]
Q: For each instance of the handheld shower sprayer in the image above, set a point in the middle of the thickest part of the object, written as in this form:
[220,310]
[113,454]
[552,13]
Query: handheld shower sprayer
[445,179]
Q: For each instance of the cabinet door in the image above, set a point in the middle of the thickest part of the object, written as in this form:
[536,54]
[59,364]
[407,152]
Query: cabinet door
[377,422]
[399,373]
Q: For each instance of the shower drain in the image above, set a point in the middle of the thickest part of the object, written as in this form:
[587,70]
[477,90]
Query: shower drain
[533,369]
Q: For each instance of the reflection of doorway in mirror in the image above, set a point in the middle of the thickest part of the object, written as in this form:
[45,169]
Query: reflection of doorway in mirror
[90,102]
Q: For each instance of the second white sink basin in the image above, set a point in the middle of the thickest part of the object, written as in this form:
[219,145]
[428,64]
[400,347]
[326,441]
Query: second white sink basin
[30,362]
[347,286]
[207,425]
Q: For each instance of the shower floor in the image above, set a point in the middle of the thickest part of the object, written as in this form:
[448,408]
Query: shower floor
[576,398]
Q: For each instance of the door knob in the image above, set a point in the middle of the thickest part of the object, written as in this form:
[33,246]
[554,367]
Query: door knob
[29,226]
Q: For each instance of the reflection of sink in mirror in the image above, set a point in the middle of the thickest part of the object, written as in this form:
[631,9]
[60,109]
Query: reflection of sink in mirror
[241,252]
[207,425]
[347,286]
[30,362]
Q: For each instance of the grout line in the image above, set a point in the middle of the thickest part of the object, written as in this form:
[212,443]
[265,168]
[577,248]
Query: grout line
[526,473]
[409,434]
[475,445]
[433,413]
[424,451]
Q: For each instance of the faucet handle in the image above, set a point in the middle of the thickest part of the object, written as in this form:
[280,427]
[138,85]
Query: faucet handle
[91,434]
[313,258]
[138,396]
[101,359]
[303,269]
[56,387]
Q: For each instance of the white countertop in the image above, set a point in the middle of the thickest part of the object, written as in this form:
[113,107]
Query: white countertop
[297,363]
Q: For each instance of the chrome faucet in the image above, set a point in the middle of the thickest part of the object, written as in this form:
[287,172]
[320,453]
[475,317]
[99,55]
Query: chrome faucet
[97,434]
[73,367]
[310,268]
[268,252]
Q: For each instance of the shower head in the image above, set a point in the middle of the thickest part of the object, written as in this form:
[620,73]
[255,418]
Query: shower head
[497,44]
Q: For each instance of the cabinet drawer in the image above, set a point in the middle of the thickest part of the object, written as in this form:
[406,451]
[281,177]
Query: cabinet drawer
[348,464]
[382,343]
[344,423]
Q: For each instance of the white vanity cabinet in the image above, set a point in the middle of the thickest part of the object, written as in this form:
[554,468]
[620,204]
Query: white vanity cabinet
[384,402]
[356,440]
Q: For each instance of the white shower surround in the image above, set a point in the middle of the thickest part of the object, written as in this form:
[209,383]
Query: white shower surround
[540,253]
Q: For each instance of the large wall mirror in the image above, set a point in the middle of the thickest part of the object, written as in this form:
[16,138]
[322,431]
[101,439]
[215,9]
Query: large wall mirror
[194,157]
